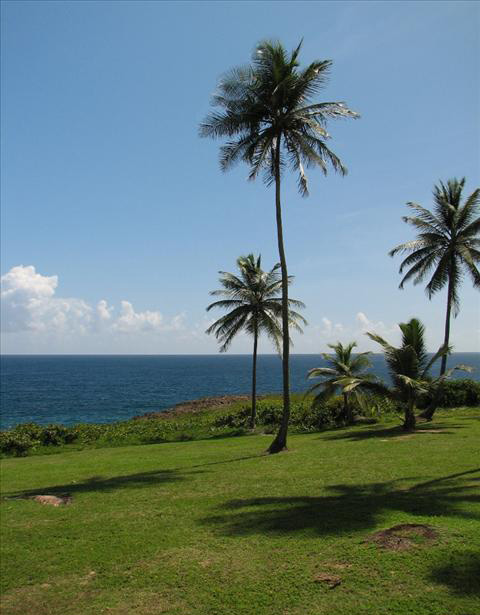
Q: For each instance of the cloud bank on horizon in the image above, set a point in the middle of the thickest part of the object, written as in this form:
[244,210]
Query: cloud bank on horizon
[29,304]
[36,319]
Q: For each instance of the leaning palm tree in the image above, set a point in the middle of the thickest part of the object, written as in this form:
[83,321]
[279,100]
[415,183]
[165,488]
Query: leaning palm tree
[269,122]
[255,307]
[448,243]
[409,367]
[345,374]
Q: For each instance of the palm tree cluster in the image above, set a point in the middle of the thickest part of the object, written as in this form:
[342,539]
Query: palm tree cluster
[269,119]
[254,305]
[266,114]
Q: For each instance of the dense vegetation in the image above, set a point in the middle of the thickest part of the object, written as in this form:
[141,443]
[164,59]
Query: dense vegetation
[231,420]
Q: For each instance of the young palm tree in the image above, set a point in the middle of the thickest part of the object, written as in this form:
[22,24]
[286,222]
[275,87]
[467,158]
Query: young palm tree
[266,115]
[448,243]
[345,374]
[254,306]
[409,366]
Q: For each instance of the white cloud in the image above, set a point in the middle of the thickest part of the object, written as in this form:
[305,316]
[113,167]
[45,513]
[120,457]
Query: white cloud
[104,313]
[328,331]
[130,321]
[29,304]
[379,327]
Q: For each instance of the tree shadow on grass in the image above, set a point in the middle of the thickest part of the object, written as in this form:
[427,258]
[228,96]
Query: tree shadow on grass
[346,508]
[100,484]
[391,432]
[461,574]
[96,484]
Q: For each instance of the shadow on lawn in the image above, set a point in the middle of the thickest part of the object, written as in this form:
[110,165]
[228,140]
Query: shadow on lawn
[461,573]
[348,508]
[141,479]
[98,483]
[391,432]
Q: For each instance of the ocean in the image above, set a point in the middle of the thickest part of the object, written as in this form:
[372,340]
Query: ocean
[71,389]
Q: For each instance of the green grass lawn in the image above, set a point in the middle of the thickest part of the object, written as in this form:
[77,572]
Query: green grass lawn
[215,527]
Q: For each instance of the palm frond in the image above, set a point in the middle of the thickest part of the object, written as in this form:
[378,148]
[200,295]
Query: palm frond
[271,99]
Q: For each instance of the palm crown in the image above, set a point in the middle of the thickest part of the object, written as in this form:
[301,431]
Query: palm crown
[447,243]
[345,373]
[253,301]
[267,101]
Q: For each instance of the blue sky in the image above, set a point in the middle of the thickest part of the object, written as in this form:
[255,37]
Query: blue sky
[116,217]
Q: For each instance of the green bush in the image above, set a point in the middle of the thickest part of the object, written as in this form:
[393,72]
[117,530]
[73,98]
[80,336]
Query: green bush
[54,435]
[303,417]
[16,443]
[455,393]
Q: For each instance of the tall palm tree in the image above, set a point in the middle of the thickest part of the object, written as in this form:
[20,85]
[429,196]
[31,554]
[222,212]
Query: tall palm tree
[448,243]
[254,306]
[345,374]
[409,366]
[268,120]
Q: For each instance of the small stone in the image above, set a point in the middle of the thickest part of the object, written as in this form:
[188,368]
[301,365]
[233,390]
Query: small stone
[53,500]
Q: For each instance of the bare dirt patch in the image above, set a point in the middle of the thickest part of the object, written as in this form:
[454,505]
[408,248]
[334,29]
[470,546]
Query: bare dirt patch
[330,580]
[404,536]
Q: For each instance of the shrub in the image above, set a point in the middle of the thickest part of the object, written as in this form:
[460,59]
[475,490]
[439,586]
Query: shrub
[455,393]
[28,430]
[54,435]
[15,443]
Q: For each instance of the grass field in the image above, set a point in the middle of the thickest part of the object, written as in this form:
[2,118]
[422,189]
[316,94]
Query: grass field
[218,528]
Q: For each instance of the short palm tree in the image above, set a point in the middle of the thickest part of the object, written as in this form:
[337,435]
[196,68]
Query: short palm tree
[269,122]
[254,305]
[448,243]
[409,367]
[345,374]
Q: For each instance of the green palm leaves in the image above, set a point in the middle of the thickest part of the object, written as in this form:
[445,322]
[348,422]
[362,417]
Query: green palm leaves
[264,111]
[252,298]
[345,374]
[409,367]
[447,244]
[253,304]
[268,101]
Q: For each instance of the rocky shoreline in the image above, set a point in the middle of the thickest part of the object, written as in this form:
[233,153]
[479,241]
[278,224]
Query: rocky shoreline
[195,405]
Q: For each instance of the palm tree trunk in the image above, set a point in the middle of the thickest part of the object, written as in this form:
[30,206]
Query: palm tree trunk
[429,412]
[280,442]
[443,366]
[253,416]
[410,421]
[347,414]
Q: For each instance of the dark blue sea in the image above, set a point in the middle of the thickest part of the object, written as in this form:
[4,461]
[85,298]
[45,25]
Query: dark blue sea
[101,389]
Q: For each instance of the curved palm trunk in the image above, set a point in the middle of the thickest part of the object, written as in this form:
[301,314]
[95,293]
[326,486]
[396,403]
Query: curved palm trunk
[443,366]
[280,442]
[429,412]
[253,416]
